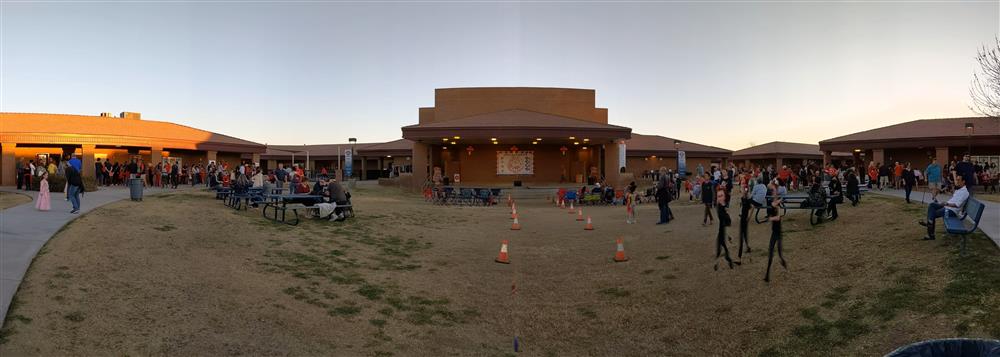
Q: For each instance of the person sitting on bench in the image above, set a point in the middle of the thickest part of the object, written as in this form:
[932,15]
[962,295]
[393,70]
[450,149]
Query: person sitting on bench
[952,208]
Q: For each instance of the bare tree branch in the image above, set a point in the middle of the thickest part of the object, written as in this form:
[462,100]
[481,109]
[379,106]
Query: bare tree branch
[985,86]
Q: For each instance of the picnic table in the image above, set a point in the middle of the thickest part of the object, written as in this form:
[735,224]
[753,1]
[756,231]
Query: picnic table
[284,202]
[792,201]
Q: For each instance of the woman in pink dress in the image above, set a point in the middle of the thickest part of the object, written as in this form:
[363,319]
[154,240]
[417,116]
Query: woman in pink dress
[43,201]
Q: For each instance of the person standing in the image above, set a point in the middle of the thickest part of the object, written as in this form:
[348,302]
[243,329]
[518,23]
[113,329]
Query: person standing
[43,202]
[629,204]
[280,174]
[707,198]
[724,221]
[775,219]
[909,180]
[836,197]
[965,169]
[663,196]
[75,187]
[933,173]
[19,172]
[174,175]
[897,175]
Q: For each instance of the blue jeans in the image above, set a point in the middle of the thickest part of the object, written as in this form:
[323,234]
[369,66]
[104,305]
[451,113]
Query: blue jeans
[74,196]
[934,211]
[664,211]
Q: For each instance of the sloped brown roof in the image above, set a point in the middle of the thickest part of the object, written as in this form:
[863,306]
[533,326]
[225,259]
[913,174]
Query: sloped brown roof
[517,118]
[782,149]
[514,122]
[44,128]
[925,128]
[320,151]
[646,145]
[400,147]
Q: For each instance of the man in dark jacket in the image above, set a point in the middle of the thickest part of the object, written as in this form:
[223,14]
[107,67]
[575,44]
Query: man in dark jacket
[663,196]
[909,180]
[75,186]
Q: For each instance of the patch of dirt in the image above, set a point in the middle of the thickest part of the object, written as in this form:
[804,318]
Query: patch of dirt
[11,199]
[181,274]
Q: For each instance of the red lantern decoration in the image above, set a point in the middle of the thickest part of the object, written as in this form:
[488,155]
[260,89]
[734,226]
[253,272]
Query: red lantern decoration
[563,150]
[470,149]
[514,148]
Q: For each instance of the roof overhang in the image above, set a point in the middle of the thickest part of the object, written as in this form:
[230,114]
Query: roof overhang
[926,142]
[121,140]
[483,134]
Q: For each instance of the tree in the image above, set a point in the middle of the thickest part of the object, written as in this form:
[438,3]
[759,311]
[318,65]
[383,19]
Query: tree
[985,86]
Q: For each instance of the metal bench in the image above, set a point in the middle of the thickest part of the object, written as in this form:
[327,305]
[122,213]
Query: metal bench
[791,202]
[956,225]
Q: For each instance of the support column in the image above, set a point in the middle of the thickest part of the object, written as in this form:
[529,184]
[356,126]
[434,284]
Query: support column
[941,154]
[88,160]
[211,156]
[827,158]
[420,162]
[272,164]
[878,155]
[777,163]
[8,176]
[611,166]
[747,164]
[155,155]
[255,157]
[364,168]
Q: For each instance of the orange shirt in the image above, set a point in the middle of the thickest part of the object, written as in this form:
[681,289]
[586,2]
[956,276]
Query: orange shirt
[899,170]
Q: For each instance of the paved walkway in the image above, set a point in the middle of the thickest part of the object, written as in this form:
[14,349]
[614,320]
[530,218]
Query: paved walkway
[989,224]
[24,230]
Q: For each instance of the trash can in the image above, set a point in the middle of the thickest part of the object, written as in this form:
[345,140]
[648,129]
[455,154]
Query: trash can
[135,189]
[952,347]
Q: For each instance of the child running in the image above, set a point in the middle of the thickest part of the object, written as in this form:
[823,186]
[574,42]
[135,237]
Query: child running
[775,218]
[724,221]
[745,206]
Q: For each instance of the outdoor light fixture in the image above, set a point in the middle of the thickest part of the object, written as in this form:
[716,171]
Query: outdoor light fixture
[453,143]
[576,143]
[534,143]
[444,148]
[857,150]
[586,140]
[538,139]
[470,149]
[493,139]
[572,138]
[494,143]
[585,148]
[444,139]
[457,137]
[388,156]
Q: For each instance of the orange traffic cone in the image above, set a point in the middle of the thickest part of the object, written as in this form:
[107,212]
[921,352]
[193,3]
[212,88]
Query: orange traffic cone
[513,212]
[502,257]
[589,226]
[570,207]
[579,215]
[515,226]
[620,254]
[510,200]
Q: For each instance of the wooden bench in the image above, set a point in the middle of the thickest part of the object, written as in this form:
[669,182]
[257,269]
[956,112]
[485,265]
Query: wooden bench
[956,225]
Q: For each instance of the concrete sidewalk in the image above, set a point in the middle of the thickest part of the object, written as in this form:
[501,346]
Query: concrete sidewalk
[989,224]
[24,230]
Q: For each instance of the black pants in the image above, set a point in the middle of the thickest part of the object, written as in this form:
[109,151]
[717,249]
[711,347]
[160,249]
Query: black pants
[908,188]
[832,208]
[744,235]
[720,243]
[854,197]
[20,179]
[775,239]
[708,213]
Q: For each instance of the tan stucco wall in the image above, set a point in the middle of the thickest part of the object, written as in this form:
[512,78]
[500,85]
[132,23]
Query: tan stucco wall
[550,165]
[454,103]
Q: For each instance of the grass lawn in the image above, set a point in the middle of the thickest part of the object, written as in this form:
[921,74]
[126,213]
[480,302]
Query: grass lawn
[181,274]
[11,199]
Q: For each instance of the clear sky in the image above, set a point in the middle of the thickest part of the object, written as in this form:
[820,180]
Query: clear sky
[719,73]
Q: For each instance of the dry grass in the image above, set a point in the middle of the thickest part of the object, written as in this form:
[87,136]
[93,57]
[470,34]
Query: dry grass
[11,199]
[181,274]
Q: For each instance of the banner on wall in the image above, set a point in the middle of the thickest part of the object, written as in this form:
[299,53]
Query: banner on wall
[681,163]
[348,162]
[515,162]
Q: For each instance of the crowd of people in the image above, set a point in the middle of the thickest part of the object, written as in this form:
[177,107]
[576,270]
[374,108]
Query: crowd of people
[69,167]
